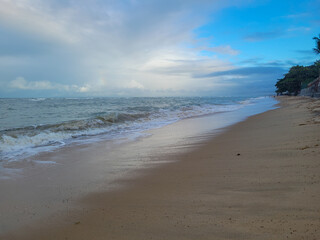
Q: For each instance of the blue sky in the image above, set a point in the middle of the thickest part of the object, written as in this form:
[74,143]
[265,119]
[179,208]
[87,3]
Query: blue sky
[53,48]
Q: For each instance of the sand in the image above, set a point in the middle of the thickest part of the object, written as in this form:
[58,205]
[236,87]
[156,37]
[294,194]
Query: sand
[259,179]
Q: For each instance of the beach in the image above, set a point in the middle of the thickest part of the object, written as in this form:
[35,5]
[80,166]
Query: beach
[257,179]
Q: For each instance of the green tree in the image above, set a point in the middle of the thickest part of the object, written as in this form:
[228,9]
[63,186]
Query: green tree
[291,82]
[317,48]
[297,77]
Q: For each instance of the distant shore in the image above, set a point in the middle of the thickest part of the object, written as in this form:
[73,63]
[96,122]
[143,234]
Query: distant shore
[260,179]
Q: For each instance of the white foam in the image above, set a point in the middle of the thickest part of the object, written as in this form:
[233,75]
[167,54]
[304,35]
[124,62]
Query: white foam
[44,162]
[37,99]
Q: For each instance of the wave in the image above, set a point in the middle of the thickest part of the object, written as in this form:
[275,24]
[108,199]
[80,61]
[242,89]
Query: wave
[36,99]
[250,101]
[25,141]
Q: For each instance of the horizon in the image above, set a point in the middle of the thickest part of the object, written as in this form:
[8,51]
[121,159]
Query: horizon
[180,96]
[152,48]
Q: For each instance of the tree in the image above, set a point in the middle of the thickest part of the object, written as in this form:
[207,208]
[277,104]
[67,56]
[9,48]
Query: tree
[317,48]
[291,82]
[297,77]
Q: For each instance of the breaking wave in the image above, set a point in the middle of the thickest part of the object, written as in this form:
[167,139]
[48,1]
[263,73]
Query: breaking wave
[25,141]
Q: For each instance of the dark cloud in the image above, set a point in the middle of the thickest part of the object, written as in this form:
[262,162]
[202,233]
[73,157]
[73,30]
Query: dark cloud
[250,61]
[305,52]
[274,64]
[246,72]
[259,62]
[250,80]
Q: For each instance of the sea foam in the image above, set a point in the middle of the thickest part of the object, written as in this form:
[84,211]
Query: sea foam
[81,120]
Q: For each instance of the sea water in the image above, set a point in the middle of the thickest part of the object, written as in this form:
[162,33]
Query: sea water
[29,126]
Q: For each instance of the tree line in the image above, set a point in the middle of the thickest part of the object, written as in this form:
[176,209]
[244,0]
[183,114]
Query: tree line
[299,77]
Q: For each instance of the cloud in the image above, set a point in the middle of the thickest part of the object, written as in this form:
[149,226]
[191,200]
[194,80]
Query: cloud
[246,80]
[307,53]
[21,83]
[134,84]
[299,29]
[297,16]
[107,47]
[245,72]
[304,59]
[227,49]
[82,89]
[94,47]
[260,36]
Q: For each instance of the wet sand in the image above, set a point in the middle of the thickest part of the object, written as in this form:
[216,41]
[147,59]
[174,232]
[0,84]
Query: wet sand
[260,179]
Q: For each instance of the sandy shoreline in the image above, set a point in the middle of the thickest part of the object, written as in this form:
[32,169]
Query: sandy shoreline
[258,180]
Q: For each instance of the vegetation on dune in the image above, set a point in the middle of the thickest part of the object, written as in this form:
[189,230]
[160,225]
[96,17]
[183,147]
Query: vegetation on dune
[299,77]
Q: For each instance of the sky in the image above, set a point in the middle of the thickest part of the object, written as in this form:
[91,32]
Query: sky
[79,48]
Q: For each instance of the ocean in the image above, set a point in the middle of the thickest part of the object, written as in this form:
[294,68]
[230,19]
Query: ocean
[29,126]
